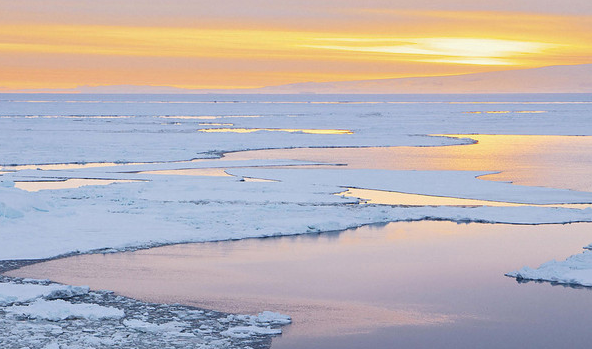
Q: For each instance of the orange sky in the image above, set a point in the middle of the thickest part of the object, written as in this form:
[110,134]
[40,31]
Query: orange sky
[229,44]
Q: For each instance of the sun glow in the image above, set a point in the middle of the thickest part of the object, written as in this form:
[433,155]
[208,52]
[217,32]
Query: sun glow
[228,53]
[446,50]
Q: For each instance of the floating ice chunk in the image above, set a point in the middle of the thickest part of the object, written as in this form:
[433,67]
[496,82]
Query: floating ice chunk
[273,318]
[57,310]
[248,331]
[259,324]
[265,318]
[16,293]
[575,270]
[143,326]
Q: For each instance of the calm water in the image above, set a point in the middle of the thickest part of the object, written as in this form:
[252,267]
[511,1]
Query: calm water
[551,161]
[419,284]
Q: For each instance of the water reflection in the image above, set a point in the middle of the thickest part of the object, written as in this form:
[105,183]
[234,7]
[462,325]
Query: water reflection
[563,162]
[66,184]
[210,172]
[289,130]
[260,180]
[428,277]
[383,197]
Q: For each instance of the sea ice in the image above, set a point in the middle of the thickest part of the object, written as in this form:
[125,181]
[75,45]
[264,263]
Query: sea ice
[248,331]
[143,326]
[575,270]
[57,310]
[273,318]
[135,134]
[11,293]
[91,319]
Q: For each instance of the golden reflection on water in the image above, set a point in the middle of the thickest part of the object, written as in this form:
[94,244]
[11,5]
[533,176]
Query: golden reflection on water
[383,197]
[563,162]
[209,172]
[290,130]
[65,166]
[67,184]
[260,180]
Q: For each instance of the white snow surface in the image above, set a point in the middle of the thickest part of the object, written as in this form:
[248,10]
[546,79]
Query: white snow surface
[19,293]
[171,209]
[575,270]
[57,310]
[38,129]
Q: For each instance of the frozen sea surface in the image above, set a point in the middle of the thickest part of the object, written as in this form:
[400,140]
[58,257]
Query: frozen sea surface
[151,149]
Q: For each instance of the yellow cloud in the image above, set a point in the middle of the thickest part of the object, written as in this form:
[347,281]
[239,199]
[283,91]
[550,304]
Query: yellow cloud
[447,50]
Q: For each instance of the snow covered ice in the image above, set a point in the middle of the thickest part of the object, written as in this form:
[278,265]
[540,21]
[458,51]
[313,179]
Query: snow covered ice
[573,271]
[11,293]
[57,310]
[58,316]
[133,135]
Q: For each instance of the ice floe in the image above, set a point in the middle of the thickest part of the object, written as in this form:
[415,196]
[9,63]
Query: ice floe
[11,293]
[575,270]
[57,310]
[167,327]
[248,331]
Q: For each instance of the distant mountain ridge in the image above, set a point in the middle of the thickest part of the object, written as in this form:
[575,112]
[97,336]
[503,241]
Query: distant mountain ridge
[551,79]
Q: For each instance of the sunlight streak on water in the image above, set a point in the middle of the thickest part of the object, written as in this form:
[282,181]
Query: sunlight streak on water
[210,172]
[48,167]
[66,184]
[289,130]
[382,197]
[563,162]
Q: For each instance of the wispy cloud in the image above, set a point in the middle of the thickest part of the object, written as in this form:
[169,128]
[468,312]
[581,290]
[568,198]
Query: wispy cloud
[444,50]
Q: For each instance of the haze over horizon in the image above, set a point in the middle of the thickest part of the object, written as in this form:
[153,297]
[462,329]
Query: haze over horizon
[64,44]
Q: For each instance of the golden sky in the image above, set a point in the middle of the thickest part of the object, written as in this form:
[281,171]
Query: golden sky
[53,44]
